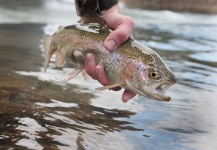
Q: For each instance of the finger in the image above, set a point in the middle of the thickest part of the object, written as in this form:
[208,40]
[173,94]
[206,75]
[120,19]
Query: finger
[123,30]
[90,66]
[101,76]
[127,95]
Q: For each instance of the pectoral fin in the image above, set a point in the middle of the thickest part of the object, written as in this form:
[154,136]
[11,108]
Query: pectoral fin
[85,75]
[110,86]
[74,73]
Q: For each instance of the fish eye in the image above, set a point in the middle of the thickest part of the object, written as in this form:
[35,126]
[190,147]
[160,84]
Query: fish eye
[154,75]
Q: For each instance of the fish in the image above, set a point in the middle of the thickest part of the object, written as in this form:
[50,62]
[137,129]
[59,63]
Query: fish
[132,66]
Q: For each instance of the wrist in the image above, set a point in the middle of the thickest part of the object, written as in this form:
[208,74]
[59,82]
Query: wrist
[113,9]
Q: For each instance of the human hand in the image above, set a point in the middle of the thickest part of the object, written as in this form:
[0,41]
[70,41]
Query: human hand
[122,27]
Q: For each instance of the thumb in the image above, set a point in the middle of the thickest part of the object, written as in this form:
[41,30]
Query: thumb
[123,26]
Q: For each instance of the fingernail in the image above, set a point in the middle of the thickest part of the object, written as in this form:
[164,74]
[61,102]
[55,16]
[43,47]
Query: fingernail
[89,61]
[110,45]
[124,98]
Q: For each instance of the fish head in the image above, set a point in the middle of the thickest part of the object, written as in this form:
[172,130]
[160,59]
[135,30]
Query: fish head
[149,76]
[158,80]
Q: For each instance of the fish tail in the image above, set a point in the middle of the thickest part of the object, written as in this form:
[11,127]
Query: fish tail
[46,43]
[84,7]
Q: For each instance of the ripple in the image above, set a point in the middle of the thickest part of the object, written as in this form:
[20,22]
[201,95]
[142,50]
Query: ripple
[189,45]
[56,103]
[207,57]
[162,46]
[29,129]
[40,111]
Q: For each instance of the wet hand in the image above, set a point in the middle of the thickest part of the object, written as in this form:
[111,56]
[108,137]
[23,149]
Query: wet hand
[122,27]
[97,72]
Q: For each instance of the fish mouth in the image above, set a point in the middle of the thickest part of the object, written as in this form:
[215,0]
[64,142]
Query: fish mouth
[158,92]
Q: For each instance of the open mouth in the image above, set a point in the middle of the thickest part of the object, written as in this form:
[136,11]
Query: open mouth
[160,92]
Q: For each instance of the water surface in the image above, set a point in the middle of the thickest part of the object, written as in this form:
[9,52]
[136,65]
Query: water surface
[40,111]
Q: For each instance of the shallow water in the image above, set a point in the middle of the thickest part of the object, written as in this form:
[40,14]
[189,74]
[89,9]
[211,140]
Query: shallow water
[40,111]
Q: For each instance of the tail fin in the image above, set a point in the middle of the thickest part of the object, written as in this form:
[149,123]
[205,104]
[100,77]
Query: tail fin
[85,6]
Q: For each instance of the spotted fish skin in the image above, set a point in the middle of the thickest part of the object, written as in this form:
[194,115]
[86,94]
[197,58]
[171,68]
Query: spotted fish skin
[132,65]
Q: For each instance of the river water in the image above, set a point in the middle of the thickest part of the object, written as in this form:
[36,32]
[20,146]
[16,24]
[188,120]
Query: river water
[40,111]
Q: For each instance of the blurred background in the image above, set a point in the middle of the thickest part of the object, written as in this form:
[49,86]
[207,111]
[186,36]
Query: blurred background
[43,11]
[40,111]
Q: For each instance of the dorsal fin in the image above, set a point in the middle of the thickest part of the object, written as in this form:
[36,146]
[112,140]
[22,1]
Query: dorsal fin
[84,7]
[88,11]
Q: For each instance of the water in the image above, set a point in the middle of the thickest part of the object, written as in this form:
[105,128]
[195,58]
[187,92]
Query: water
[40,111]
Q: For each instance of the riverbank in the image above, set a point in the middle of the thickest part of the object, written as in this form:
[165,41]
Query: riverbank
[197,6]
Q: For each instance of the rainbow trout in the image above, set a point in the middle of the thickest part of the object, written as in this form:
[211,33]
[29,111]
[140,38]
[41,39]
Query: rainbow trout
[132,66]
